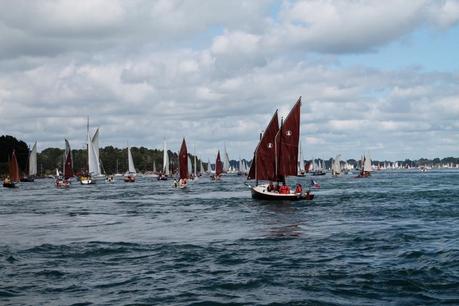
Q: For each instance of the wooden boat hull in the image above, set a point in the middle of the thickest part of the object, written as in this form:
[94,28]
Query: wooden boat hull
[259,192]
[9,185]
[62,184]
[129,179]
[27,179]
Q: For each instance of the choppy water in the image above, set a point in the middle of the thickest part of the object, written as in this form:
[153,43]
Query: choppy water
[390,239]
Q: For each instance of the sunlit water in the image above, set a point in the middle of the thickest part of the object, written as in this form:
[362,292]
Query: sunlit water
[389,239]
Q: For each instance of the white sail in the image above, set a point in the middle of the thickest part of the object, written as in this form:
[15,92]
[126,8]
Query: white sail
[195,166]
[165,160]
[226,161]
[336,166]
[201,167]
[189,165]
[300,160]
[154,167]
[209,166]
[93,165]
[95,146]
[131,168]
[367,164]
[33,161]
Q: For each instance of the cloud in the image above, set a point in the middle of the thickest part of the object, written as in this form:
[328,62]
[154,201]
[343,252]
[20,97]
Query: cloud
[215,71]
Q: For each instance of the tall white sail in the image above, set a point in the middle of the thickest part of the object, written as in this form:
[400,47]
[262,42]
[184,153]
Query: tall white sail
[33,161]
[189,165]
[209,167]
[93,154]
[165,160]
[226,161]
[195,166]
[367,163]
[131,168]
[336,166]
[300,160]
[93,165]
[154,167]
[201,167]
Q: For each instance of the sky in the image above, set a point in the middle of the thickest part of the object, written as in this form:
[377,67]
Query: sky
[374,76]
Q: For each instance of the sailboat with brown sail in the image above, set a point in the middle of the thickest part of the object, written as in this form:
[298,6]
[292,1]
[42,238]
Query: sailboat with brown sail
[276,158]
[63,182]
[13,167]
[183,167]
[218,168]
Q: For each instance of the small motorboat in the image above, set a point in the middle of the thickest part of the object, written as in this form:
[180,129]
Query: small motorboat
[86,180]
[62,183]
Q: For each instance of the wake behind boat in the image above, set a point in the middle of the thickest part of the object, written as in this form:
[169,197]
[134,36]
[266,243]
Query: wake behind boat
[276,157]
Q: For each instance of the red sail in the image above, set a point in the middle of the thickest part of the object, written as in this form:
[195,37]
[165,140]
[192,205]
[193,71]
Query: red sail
[68,171]
[14,168]
[263,163]
[218,165]
[286,143]
[183,161]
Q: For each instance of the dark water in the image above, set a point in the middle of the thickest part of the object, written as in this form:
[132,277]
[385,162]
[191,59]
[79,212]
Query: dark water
[392,239]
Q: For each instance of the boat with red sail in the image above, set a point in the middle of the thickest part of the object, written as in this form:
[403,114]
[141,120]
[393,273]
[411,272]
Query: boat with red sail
[276,158]
[183,167]
[218,168]
[13,170]
[63,182]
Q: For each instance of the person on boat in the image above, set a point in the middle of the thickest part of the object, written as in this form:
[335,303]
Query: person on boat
[182,182]
[299,188]
[7,180]
[270,187]
[284,189]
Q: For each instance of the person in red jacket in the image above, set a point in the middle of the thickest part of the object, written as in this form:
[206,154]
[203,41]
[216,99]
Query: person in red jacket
[299,188]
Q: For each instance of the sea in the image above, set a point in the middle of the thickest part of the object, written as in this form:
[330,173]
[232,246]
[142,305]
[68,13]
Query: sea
[391,239]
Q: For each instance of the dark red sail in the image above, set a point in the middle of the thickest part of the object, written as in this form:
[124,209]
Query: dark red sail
[183,161]
[286,144]
[218,165]
[263,164]
[13,168]
[68,171]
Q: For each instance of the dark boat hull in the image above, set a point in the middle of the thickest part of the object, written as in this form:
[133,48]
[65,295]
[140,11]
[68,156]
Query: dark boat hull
[27,179]
[264,195]
[9,185]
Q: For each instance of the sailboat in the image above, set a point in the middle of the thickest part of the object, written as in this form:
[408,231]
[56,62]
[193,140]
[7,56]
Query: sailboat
[13,167]
[183,167]
[219,166]
[64,182]
[129,176]
[165,172]
[336,166]
[31,165]
[365,169]
[318,167]
[276,157]
[94,170]
[301,168]
[226,161]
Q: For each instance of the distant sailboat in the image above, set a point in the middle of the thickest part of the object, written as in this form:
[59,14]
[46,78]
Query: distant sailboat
[365,170]
[226,161]
[183,167]
[129,176]
[301,168]
[165,172]
[218,167]
[13,170]
[67,167]
[94,170]
[336,166]
[276,157]
[31,165]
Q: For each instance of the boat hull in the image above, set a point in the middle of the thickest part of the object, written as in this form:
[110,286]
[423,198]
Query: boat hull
[260,193]
[9,185]
[129,179]
[27,179]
